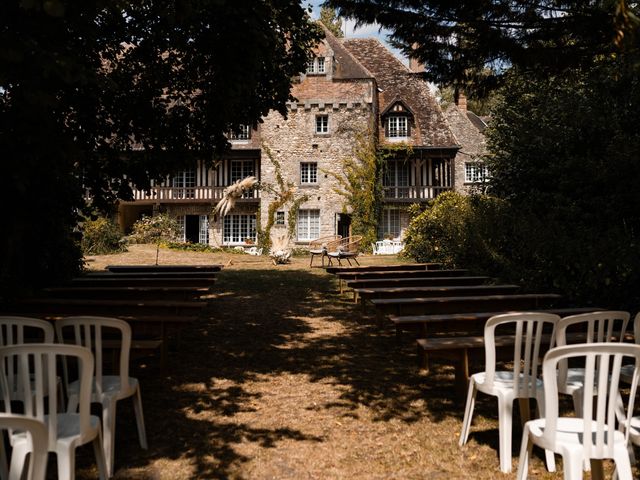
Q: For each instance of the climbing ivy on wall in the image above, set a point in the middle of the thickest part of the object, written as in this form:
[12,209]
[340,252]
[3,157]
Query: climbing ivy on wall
[284,192]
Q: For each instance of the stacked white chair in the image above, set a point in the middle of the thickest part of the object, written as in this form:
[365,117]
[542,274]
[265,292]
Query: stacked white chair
[523,382]
[89,332]
[36,432]
[32,369]
[593,435]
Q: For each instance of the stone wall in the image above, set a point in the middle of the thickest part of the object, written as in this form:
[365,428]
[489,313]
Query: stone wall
[294,140]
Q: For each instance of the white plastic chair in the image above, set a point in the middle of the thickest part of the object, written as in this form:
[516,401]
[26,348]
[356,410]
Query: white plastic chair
[522,382]
[65,431]
[597,327]
[90,332]
[594,434]
[37,437]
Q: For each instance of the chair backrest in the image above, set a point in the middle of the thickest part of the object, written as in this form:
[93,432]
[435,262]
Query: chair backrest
[601,399]
[636,328]
[37,432]
[529,329]
[593,327]
[91,332]
[327,242]
[17,330]
[349,244]
[32,369]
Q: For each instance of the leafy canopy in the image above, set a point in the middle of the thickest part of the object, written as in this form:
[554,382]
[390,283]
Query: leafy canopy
[457,39]
[97,95]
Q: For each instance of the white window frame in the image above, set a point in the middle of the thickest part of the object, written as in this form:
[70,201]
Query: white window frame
[308,173]
[236,228]
[180,220]
[184,183]
[203,236]
[475,172]
[390,223]
[308,224]
[316,66]
[322,124]
[242,133]
[397,126]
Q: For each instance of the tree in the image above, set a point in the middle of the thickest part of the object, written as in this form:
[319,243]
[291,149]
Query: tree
[331,21]
[456,40]
[96,96]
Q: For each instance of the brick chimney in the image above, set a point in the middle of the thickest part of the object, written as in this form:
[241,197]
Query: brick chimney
[414,64]
[461,100]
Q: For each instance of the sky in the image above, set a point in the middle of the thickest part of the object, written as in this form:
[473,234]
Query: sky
[348,27]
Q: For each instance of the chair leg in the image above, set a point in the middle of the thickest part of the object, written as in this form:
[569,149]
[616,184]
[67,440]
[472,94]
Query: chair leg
[468,412]
[137,407]
[505,416]
[623,465]
[548,454]
[573,467]
[109,433]
[525,452]
[67,463]
[311,262]
[18,459]
[98,450]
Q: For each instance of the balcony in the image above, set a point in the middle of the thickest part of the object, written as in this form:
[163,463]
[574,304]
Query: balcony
[414,193]
[187,195]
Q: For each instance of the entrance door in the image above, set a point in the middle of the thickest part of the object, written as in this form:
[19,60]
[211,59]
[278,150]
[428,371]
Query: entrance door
[344,225]
[192,228]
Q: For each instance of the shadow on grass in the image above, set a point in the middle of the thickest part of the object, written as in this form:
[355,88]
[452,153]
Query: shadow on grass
[265,323]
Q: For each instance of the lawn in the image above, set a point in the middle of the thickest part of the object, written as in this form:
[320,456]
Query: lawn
[284,378]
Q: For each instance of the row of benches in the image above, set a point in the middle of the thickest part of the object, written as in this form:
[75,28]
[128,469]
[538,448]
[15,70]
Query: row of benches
[157,301]
[447,308]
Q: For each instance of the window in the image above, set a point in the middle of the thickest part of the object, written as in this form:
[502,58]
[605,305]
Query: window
[316,65]
[475,172]
[203,234]
[183,184]
[308,173]
[241,169]
[308,224]
[279,218]
[389,224]
[181,230]
[237,228]
[397,126]
[242,133]
[322,123]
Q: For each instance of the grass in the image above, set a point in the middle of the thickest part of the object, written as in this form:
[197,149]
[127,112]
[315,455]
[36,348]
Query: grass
[285,378]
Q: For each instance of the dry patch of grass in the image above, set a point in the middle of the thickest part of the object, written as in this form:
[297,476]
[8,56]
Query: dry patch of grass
[284,378]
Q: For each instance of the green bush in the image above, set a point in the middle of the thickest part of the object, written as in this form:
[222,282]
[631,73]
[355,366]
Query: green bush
[586,264]
[101,236]
[154,229]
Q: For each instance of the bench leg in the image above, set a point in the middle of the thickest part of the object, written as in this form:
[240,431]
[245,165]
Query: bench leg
[423,360]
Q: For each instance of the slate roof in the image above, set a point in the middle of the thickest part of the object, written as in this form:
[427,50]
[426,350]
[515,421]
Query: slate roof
[396,82]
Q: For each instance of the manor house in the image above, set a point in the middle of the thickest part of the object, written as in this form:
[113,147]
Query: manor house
[354,93]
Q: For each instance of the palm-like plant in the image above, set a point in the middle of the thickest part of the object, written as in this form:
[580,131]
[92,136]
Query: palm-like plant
[232,193]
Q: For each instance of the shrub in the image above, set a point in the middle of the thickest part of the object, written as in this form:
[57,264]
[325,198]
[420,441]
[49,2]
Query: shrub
[154,229]
[101,236]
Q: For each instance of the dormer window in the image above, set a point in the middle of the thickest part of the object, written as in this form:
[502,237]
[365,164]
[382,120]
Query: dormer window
[397,118]
[243,132]
[397,126]
[315,66]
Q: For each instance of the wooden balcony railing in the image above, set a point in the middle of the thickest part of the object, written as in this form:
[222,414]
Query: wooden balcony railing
[185,194]
[413,193]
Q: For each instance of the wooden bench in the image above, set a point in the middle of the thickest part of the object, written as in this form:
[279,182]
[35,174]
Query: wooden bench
[459,350]
[416,281]
[115,281]
[467,322]
[127,292]
[432,291]
[163,268]
[462,304]
[387,267]
[346,276]
[149,275]
[106,307]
